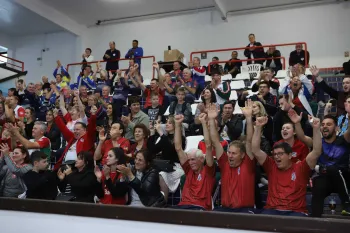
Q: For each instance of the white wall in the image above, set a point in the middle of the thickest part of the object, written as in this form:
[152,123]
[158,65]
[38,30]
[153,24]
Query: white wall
[62,46]
[324,28]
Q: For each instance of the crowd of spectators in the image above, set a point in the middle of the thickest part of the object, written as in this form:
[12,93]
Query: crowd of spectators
[95,140]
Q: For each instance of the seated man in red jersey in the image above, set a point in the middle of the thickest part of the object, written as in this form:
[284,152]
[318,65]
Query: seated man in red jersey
[200,178]
[287,180]
[237,167]
[300,150]
[117,139]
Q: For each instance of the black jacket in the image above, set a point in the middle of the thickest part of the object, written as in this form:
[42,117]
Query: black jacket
[257,53]
[42,185]
[148,189]
[55,137]
[346,67]
[83,185]
[277,61]
[295,58]
[112,64]
[234,126]
[165,147]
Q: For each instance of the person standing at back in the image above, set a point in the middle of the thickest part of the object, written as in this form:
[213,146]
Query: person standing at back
[298,56]
[112,56]
[251,52]
[135,52]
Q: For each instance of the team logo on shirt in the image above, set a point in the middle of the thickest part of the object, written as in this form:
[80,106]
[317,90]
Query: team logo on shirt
[199,178]
[294,176]
[294,154]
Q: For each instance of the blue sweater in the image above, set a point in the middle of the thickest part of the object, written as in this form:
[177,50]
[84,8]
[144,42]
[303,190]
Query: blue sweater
[135,53]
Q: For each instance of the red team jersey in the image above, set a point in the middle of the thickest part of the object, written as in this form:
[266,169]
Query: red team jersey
[300,150]
[108,144]
[203,148]
[198,187]
[108,198]
[19,112]
[237,184]
[287,189]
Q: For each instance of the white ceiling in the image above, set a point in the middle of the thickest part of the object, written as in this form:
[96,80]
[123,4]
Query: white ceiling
[16,20]
[88,12]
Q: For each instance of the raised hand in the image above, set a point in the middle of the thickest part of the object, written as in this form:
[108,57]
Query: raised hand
[10,128]
[203,117]
[155,65]
[102,136]
[59,64]
[201,107]
[314,71]
[316,123]
[75,93]
[55,112]
[124,170]
[93,110]
[212,111]
[125,120]
[106,171]
[261,121]
[248,108]
[60,174]
[179,119]
[4,148]
[98,173]
[119,72]
[294,117]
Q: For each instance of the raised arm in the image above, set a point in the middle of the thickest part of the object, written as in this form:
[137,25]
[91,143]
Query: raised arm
[98,152]
[214,135]
[323,85]
[313,156]
[9,112]
[80,104]
[258,153]
[296,119]
[62,105]
[20,170]
[208,144]
[25,142]
[178,139]
[248,112]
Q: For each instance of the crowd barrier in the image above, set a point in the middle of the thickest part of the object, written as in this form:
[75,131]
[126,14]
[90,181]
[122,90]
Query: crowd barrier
[10,62]
[120,59]
[244,60]
[156,216]
[243,48]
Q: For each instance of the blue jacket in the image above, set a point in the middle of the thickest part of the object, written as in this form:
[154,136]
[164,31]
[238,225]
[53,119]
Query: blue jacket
[135,53]
[64,73]
[86,81]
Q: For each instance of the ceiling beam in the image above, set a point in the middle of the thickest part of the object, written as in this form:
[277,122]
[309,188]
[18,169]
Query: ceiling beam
[220,6]
[40,8]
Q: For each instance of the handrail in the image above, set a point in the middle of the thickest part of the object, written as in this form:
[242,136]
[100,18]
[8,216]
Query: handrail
[243,48]
[12,59]
[120,59]
[254,59]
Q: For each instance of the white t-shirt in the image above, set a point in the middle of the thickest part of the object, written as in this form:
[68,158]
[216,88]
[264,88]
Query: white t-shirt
[135,199]
[72,152]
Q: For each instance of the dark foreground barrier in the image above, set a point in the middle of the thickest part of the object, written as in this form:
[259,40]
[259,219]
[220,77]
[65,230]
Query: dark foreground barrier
[187,218]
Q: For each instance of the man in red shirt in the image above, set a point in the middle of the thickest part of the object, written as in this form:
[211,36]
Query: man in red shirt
[287,180]
[237,168]
[300,150]
[200,178]
[39,143]
[17,109]
[117,132]
[81,139]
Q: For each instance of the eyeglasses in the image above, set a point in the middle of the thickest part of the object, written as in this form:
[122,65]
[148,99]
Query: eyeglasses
[279,154]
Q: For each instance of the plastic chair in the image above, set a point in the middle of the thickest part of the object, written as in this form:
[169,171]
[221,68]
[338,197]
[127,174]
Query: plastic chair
[237,109]
[244,76]
[281,74]
[167,112]
[226,77]
[233,95]
[253,70]
[237,85]
[207,78]
[192,142]
[194,108]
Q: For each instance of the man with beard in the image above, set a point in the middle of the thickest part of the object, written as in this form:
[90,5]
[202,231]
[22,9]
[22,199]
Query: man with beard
[287,180]
[340,96]
[333,164]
